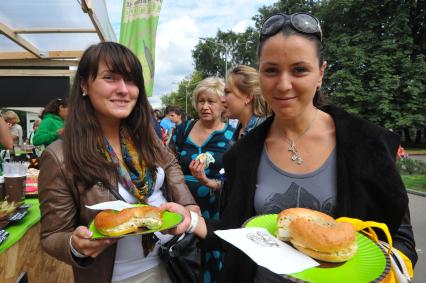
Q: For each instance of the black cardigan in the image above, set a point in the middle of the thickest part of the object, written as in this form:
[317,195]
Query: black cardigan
[369,186]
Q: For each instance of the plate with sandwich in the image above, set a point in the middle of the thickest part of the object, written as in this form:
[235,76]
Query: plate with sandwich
[341,254]
[140,219]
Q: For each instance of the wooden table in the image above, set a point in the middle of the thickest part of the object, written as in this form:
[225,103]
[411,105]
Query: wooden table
[27,255]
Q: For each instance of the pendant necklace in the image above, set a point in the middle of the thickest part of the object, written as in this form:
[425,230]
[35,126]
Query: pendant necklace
[295,157]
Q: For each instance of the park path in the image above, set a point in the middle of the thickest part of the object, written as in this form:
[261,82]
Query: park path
[418,220]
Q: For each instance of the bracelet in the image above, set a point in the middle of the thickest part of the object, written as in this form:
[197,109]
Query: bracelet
[194,222]
[75,252]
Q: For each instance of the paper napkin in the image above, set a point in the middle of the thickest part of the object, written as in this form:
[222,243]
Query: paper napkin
[267,251]
[116,205]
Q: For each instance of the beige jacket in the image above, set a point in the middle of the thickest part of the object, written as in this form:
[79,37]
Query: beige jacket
[63,209]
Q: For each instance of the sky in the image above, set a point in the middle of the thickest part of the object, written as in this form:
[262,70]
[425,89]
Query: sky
[180,26]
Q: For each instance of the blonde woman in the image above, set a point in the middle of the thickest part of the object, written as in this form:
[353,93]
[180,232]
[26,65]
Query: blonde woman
[243,99]
[15,129]
[208,134]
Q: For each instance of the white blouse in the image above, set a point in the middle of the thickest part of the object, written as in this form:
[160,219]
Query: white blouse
[129,258]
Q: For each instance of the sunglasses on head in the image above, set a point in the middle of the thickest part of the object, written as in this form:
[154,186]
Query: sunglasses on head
[300,22]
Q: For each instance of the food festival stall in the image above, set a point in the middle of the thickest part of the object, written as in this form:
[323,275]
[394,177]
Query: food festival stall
[40,45]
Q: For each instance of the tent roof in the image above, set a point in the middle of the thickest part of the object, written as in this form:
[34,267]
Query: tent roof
[47,30]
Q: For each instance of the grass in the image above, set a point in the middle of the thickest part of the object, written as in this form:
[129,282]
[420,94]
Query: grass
[415,151]
[415,182]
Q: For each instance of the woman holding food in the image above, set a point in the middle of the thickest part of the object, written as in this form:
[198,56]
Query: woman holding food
[243,100]
[201,153]
[109,151]
[306,155]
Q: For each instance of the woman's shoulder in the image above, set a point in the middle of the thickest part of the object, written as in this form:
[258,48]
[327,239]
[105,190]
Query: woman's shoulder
[55,150]
[356,129]
[253,141]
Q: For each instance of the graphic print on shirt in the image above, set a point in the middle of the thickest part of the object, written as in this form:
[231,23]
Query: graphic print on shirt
[296,196]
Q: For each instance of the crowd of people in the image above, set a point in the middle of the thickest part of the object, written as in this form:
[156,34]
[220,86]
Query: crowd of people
[45,129]
[289,149]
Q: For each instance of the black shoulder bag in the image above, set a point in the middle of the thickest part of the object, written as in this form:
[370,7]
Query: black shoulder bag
[182,259]
[181,255]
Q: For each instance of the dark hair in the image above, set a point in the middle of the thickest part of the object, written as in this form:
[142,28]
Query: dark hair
[53,106]
[287,31]
[158,114]
[177,110]
[83,136]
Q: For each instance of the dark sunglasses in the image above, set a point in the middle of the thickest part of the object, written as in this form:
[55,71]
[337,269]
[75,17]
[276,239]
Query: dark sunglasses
[300,22]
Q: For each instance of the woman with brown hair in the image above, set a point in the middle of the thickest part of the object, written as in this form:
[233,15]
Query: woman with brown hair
[244,100]
[109,151]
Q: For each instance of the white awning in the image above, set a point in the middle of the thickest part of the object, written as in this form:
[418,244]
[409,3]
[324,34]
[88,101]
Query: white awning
[51,29]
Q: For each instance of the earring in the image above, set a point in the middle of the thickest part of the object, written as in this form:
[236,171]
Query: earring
[83,94]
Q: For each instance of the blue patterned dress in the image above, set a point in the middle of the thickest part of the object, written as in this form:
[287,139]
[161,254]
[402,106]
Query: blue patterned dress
[216,144]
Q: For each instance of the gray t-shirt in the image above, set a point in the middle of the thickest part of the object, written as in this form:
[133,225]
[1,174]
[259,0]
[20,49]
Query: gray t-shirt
[277,190]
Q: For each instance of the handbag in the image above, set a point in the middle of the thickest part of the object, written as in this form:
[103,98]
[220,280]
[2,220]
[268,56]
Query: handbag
[401,266]
[182,258]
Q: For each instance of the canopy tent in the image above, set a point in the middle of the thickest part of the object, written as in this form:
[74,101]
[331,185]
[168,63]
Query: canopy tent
[40,41]
[51,29]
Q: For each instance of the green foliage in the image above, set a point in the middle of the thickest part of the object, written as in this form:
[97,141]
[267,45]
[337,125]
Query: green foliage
[409,166]
[183,96]
[227,49]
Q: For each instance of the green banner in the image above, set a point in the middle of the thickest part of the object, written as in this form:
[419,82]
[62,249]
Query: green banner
[138,29]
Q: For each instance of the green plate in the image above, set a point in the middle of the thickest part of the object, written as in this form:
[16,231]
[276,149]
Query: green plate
[369,264]
[170,220]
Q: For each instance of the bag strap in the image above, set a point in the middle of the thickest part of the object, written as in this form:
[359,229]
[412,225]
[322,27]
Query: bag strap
[182,133]
[402,268]
[366,227]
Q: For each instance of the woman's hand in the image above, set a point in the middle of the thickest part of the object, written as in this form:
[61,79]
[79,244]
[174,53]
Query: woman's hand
[82,243]
[60,131]
[199,223]
[197,170]
[177,208]
[194,208]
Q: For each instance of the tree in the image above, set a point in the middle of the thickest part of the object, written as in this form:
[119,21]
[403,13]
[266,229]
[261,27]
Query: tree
[373,70]
[183,96]
[227,48]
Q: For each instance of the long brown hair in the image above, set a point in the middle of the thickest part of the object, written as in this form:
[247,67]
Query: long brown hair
[84,157]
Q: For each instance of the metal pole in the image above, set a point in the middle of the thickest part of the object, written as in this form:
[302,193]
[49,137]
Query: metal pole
[186,99]
[226,61]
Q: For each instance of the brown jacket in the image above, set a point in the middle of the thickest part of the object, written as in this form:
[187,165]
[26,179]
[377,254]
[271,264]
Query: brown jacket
[63,208]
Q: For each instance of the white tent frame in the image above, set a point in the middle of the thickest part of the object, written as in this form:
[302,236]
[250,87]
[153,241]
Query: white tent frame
[31,55]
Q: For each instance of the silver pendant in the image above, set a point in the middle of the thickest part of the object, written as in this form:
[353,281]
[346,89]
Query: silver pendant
[294,156]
